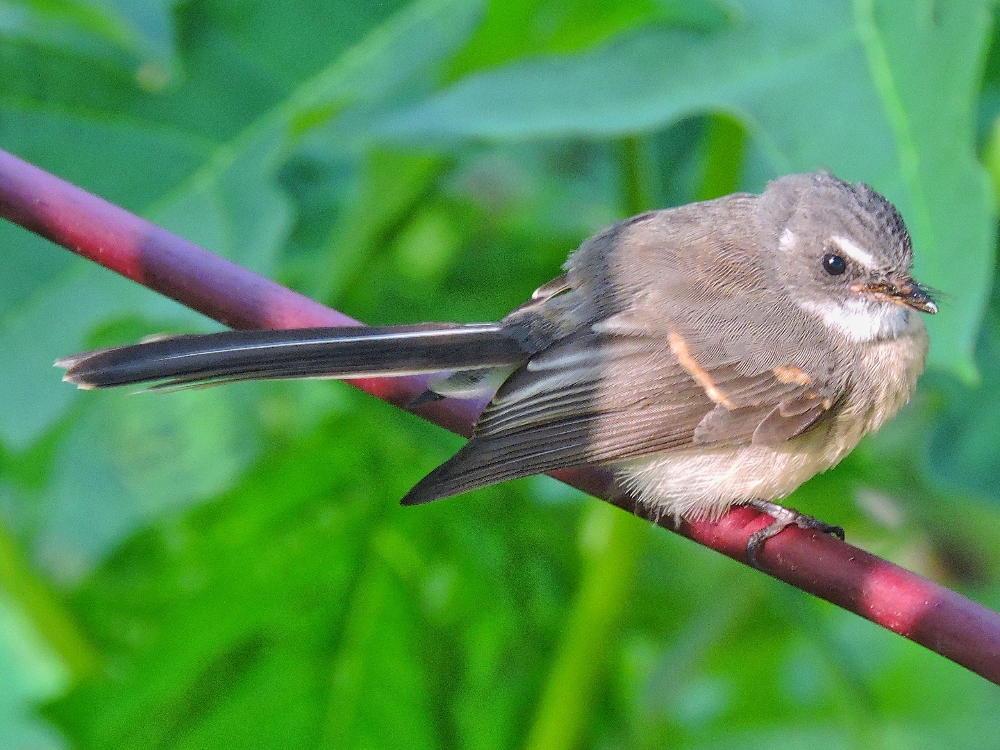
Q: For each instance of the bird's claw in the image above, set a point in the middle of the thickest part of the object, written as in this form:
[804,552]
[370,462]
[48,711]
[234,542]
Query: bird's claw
[783,517]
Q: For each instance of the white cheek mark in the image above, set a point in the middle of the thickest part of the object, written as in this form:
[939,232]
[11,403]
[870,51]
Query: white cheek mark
[787,240]
[856,253]
[862,320]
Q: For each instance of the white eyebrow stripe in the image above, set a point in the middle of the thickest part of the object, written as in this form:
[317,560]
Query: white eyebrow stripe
[863,257]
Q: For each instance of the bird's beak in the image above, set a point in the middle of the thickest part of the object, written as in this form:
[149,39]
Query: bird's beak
[904,292]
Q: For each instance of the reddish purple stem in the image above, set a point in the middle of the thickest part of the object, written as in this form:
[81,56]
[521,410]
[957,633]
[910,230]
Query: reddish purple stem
[895,598]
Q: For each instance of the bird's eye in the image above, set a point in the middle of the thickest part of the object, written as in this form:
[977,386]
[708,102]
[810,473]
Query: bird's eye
[834,264]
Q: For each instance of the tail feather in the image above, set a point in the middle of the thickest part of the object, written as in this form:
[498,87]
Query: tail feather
[296,353]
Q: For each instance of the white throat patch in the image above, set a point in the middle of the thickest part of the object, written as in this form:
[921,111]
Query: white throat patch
[861,320]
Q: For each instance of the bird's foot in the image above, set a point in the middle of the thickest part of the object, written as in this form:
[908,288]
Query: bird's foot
[783,517]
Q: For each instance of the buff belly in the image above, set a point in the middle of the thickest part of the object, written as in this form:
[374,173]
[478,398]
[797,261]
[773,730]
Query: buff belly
[698,485]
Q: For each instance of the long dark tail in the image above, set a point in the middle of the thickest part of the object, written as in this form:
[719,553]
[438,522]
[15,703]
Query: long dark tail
[297,353]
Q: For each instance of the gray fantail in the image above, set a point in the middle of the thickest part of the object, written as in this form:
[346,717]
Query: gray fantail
[714,354]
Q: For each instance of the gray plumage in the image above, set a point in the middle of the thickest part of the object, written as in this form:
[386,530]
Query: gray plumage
[712,354]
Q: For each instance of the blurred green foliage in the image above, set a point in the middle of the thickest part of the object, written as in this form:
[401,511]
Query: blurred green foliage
[229,568]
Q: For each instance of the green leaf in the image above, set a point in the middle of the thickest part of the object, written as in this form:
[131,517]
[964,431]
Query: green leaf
[29,673]
[53,321]
[131,460]
[533,27]
[139,34]
[962,450]
[252,622]
[379,686]
[273,543]
[229,201]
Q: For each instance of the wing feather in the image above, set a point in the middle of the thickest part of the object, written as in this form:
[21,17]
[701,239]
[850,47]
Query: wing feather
[604,398]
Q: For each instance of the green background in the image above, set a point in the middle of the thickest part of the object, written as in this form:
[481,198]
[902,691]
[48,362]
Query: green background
[229,568]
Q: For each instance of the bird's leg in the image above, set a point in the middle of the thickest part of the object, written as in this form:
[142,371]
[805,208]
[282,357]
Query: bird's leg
[783,517]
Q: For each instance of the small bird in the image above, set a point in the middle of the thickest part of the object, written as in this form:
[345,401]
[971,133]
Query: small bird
[714,354]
